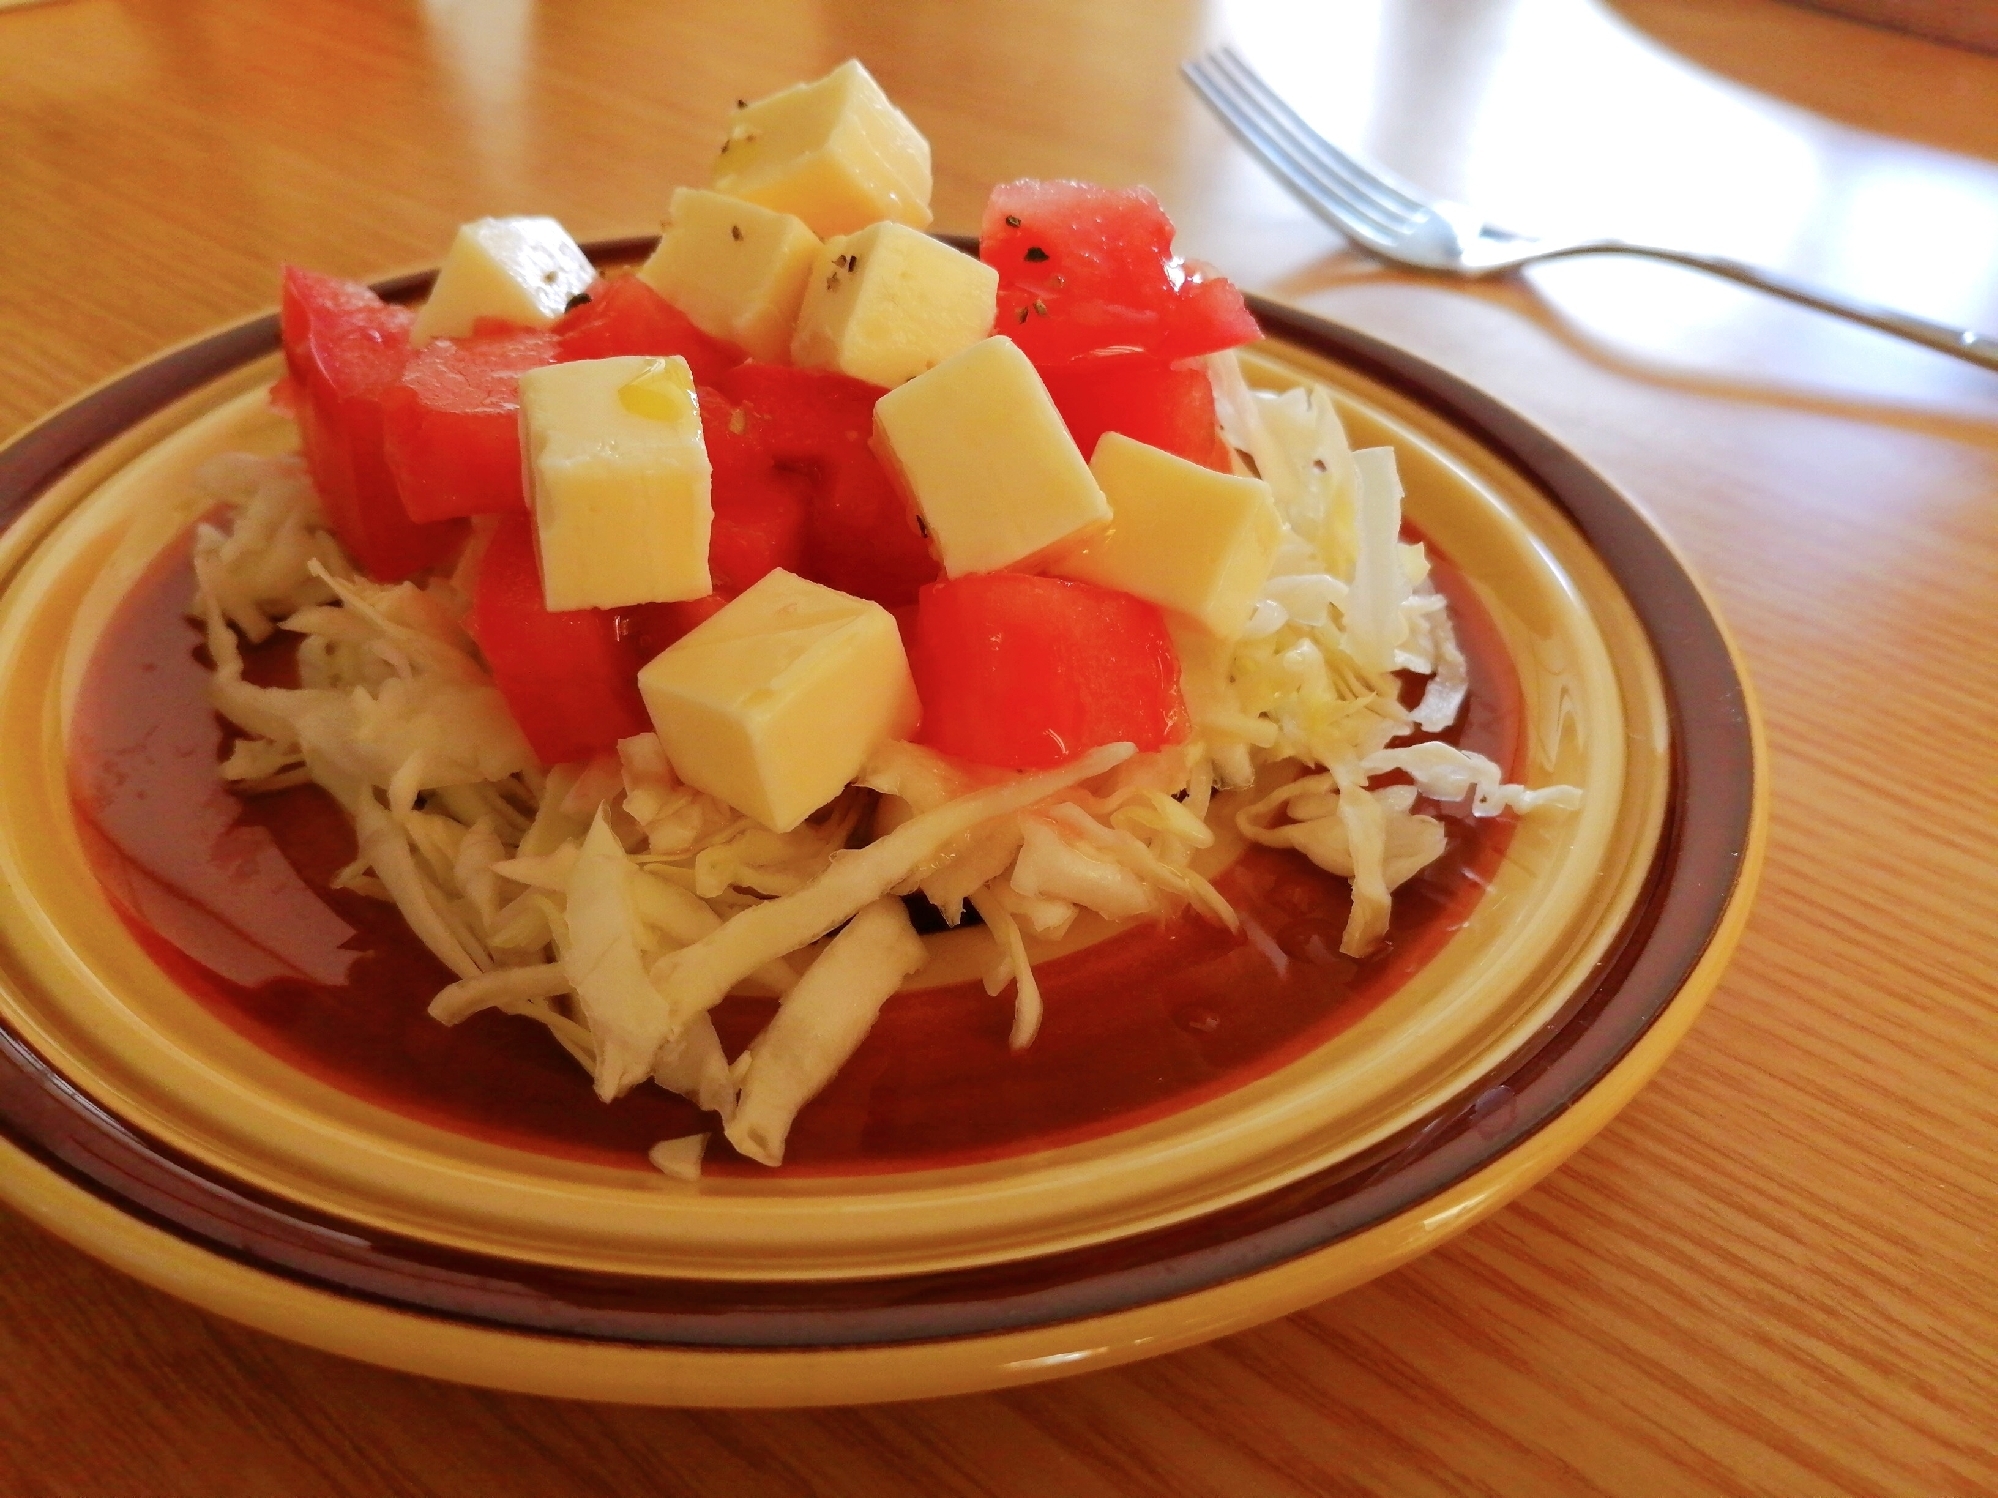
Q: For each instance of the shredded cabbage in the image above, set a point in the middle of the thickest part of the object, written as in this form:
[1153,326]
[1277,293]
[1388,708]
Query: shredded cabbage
[616,905]
[1313,678]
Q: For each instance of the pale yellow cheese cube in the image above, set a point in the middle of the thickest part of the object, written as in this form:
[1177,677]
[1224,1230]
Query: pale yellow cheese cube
[889,302]
[618,479]
[1181,535]
[737,269]
[978,447]
[775,703]
[522,269]
[835,152]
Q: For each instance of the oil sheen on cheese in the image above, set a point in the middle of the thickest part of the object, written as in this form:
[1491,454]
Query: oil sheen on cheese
[619,481]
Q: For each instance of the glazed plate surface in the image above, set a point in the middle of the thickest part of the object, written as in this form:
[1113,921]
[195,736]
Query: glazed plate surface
[157,1128]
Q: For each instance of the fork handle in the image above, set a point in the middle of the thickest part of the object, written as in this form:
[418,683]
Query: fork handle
[1962,343]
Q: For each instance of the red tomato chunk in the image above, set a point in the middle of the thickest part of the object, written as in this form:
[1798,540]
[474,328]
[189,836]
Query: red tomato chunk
[452,425]
[760,511]
[1027,672]
[570,678]
[814,423]
[346,349]
[1166,405]
[648,628]
[1086,271]
[626,316]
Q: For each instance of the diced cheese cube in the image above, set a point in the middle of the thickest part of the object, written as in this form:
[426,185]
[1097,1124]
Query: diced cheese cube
[736,268]
[1181,535]
[618,478]
[889,302]
[835,152]
[979,448]
[775,703]
[522,269]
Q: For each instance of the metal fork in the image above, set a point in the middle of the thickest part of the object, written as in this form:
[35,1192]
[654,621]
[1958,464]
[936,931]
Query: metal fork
[1400,224]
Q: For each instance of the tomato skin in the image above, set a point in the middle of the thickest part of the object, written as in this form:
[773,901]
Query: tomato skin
[863,539]
[804,416]
[648,628]
[1212,316]
[816,424]
[452,424]
[1169,406]
[1087,271]
[760,511]
[306,296]
[570,678]
[345,350]
[1027,672]
[626,316]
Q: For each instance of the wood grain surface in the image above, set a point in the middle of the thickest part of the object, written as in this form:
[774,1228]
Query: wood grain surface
[1777,1272]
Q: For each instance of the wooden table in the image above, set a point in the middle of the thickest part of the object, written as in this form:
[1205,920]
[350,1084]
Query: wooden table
[1777,1272]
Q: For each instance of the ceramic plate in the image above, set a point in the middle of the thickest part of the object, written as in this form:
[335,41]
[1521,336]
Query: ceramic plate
[219,1077]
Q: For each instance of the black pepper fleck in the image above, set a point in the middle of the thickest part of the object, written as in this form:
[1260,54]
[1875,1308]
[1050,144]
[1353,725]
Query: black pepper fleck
[1012,220]
[580,299]
[1036,254]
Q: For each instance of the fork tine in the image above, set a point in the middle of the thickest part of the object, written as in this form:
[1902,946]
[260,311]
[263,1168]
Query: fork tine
[1368,181]
[1329,197]
[1350,217]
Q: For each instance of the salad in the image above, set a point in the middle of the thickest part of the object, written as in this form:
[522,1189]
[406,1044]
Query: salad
[678,632]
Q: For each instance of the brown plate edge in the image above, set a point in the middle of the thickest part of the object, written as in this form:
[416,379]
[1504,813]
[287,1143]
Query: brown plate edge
[1691,885]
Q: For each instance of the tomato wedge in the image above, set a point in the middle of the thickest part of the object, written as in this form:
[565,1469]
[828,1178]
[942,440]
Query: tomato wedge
[816,423]
[761,511]
[625,316]
[451,425]
[1086,270]
[345,349]
[569,677]
[1027,672]
[1170,406]
[648,628]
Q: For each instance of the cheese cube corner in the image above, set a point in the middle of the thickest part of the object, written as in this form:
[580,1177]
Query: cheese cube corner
[522,269]
[618,479]
[1183,536]
[737,269]
[978,447]
[888,303]
[775,703]
[834,152]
